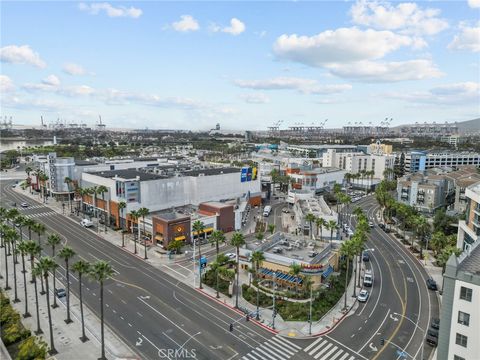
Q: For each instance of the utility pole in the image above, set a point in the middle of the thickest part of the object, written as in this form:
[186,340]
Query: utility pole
[310,316]
[274,290]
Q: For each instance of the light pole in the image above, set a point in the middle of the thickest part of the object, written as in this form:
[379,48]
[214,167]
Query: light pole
[257,317]
[194,265]
[274,314]
[310,314]
[414,323]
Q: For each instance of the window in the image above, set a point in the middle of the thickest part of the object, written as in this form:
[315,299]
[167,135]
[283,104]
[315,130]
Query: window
[461,340]
[465,293]
[463,318]
[456,357]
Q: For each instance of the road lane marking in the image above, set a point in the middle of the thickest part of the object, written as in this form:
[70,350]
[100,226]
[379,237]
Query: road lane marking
[179,273]
[313,344]
[129,324]
[376,332]
[329,345]
[317,347]
[139,314]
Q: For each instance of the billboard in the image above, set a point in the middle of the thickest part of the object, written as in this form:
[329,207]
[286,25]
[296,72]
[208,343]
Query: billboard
[248,174]
[243,176]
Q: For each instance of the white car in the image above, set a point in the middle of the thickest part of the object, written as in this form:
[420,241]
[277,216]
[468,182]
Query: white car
[362,296]
[231,256]
[370,223]
[24,205]
[86,223]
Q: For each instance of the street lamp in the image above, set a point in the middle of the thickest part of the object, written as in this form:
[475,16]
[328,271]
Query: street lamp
[274,311]
[414,323]
[310,314]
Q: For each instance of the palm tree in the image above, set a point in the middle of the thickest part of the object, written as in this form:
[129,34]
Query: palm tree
[7,238]
[143,211]
[29,223]
[217,237]
[321,223]
[101,271]
[271,228]
[310,218]
[199,227]
[81,267]
[134,216]
[295,270]
[45,265]
[257,259]
[69,183]
[33,250]
[36,272]
[39,229]
[22,248]
[53,240]
[12,238]
[28,170]
[237,240]
[347,250]
[332,226]
[66,254]
[101,190]
[43,179]
[121,205]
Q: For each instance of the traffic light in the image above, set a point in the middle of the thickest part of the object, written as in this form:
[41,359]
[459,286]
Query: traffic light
[382,341]
[247,318]
[231,327]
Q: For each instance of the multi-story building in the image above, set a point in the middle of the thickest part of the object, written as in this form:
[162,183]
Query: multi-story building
[469,229]
[416,161]
[317,179]
[460,314]
[425,193]
[318,150]
[460,180]
[57,169]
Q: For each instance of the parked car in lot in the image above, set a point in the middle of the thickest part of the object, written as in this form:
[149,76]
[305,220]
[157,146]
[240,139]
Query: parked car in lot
[60,293]
[362,296]
[435,323]
[86,223]
[432,284]
[24,205]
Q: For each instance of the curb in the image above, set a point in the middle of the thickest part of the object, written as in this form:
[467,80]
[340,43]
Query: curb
[237,311]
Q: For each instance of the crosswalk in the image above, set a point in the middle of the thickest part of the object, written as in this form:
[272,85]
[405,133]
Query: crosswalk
[277,348]
[45,213]
[322,349]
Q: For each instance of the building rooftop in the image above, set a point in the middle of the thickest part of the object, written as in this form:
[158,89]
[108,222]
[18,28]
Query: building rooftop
[214,171]
[170,215]
[470,263]
[84,162]
[128,174]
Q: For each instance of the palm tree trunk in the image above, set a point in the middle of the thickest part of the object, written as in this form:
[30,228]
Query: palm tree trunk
[42,292]
[55,305]
[68,320]
[102,357]
[31,267]
[39,329]
[52,351]
[105,212]
[84,337]
[346,283]
[16,299]
[199,259]
[144,238]
[26,314]
[238,275]
[135,240]
[359,267]
[6,270]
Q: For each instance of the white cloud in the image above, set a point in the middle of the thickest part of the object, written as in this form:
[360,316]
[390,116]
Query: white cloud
[371,71]
[302,85]
[474,4]
[50,84]
[21,55]
[111,11]
[20,102]
[255,98]
[186,23]
[236,27]
[468,39]
[407,18]
[444,95]
[6,84]
[80,90]
[74,69]
[344,45]
[51,80]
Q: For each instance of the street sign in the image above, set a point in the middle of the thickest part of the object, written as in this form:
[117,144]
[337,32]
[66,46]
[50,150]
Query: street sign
[203,262]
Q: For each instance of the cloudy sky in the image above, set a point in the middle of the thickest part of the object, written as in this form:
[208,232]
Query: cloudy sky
[246,65]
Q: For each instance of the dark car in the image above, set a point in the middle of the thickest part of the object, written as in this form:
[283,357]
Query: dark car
[432,337]
[435,323]
[432,284]
[365,257]
[60,293]
[381,226]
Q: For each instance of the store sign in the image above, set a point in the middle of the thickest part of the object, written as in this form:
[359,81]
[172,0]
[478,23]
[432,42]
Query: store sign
[248,174]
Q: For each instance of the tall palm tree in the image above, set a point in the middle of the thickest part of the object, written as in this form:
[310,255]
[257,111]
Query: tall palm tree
[81,267]
[332,226]
[53,240]
[271,228]
[3,229]
[28,170]
[43,178]
[66,254]
[46,264]
[22,248]
[347,250]
[143,211]
[36,272]
[295,270]
[33,250]
[257,259]
[217,237]
[13,237]
[101,271]
[39,229]
[101,190]
[199,227]
[121,206]
[29,223]
[321,223]
[7,238]
[237,240]
[310,218]
[134,216]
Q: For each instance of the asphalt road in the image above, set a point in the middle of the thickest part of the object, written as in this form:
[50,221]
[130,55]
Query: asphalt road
[399,307]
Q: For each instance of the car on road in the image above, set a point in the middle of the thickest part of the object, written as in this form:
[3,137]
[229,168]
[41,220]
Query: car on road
[60,293]
[432,284]
[368,278]
[86,223]
[435,323]
[432,337]
[24,205]
[14,186]
[365,256]
[362,296]
[285,211]
[231,256]
[370,223]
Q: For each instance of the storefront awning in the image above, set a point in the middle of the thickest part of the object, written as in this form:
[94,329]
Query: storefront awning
[207,230]
[159,237]
[179,238]
[327,272]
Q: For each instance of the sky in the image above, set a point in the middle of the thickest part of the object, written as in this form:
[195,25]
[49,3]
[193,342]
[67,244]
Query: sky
[245,65]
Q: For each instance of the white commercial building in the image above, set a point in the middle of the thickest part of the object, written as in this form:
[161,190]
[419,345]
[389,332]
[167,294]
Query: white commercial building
[469,229]
[318,179]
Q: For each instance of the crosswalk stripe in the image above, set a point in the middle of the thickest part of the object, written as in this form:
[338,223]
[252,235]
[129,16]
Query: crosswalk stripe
[344,356]
[285,349]
[267,353]
[351,358]
[292,344]
[284,343]
[257,354]
[327,355]
[312,344]
[337,354]
[249,356]
[315,349]
[277,351]
[329,345]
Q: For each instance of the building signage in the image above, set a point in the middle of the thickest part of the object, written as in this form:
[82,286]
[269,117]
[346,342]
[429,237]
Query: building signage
[248,174]
[243,176]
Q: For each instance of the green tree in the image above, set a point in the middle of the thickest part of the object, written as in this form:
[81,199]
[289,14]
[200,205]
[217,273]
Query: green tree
[199,227]
[66,254]
[295,270]
[29,223]
[101,190]
[310,218]
[332,226]
[69,183]
[175,246]
[347,250]
[134,217]
[271,228]
[121,206]
[257,259]
[29,349]
[53,240]
[101,271]
[22,248]
[237,240]
[321,223]
[216,238]
[143,211]
[7,239]
[81,267]
[39,229]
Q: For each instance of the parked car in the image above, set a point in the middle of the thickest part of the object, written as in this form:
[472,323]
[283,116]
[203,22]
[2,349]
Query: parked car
[435,323]
[381,226]
[231,256]
[24,205]
[368,278]
[60,293]
[432,337]
[14,185]
[370,223]
[365,256]
[432,284]
[362,296]
[86,223]
[285,211]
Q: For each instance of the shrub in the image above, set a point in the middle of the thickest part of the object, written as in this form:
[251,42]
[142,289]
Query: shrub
[29,349]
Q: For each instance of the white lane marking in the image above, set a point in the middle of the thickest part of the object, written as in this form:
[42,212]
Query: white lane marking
[312,344]
[329,345]
[321,344]
[179,273]
[129,324]
[327,355]
[139,314]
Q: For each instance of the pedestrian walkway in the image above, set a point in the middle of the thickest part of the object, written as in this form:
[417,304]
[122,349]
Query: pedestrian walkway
[276,348]
[325,349]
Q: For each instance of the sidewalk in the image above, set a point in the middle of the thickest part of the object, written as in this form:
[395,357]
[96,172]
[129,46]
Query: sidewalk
[66,336]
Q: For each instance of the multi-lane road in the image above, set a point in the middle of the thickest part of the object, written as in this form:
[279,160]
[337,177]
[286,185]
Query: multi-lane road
[166,317]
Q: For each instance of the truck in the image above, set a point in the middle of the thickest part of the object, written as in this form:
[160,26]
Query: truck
[368,278]
[267,210]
